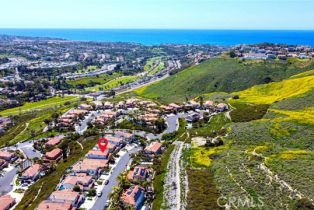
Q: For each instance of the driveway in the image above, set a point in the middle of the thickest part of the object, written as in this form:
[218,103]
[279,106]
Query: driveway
[28,149]
[119,168]
[80,129]
[6,180]
[172,123]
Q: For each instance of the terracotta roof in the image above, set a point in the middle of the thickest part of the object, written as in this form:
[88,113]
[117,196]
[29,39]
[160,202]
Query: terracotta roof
[6,154]
[209,103]
[54,153]
[6,201]
[54,140]
[139,172]
[89,164]
[174,105]
[113,139]
[98,153]
[124,134]
[64,195]
[131,195]
[32,171]
[97,162]
[153,147]
[77,111]
[79,178]
[222,105]
[44,205]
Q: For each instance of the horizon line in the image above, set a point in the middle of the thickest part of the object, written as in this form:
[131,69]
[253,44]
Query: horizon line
[191,29]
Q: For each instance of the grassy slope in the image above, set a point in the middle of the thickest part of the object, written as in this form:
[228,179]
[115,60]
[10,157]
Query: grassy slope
[277,91]
[114,83]
[35,106]
[223,75]
[101,79]
[30,125]
[284,137]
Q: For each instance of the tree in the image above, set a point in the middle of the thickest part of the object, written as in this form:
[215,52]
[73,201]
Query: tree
[201,101]
[91,193]
[33,133]
[47,121]
[232,54]
[76,188]
[206,117]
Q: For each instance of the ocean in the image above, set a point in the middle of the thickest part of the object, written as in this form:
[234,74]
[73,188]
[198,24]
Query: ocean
[156,37]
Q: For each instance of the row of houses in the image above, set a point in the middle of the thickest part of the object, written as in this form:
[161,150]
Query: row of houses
[36,170]
[71,117]
[267,52]
[71,191]
[172,107]
[135,195]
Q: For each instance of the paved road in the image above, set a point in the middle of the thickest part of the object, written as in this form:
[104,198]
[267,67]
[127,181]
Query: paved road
[28,149]
[120,167]
[172,123]
[6,180]
[133,87]
[84,123]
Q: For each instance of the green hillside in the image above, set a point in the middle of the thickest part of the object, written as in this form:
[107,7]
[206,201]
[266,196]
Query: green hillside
[221,75]
[269,158]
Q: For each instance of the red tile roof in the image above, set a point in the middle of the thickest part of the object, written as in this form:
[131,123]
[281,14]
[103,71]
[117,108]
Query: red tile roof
[6,154]
[153,147]
[209,103]
[98,153]
[90,164]
[129,196]
[54,140]
[44,205]
[32,171]
[64,195]
[139,172]
[54,154]
[79,178]
[6,201]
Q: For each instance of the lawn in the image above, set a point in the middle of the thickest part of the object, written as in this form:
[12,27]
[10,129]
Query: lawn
[40,105]
[92,81]
[154,65]
[113,83]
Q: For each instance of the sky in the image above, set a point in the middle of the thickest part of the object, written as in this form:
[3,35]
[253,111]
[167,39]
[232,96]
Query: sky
[158,14]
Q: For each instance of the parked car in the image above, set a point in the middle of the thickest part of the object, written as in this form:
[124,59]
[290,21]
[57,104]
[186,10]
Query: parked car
[107,203]
[99,194]
[106,182]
